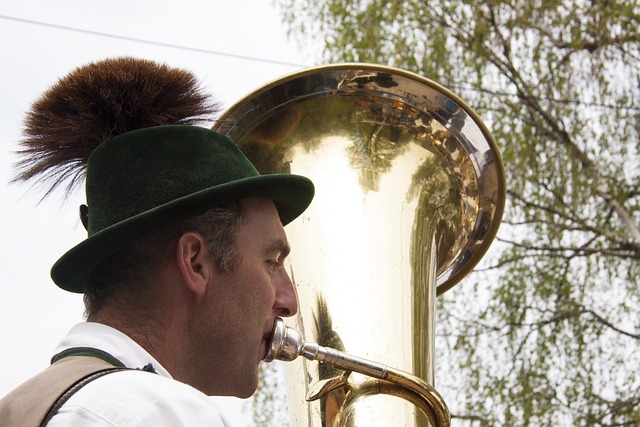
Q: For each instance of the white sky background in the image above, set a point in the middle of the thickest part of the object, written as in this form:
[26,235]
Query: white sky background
[34,313]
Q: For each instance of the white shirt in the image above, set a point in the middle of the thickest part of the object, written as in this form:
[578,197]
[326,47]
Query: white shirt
[131,398]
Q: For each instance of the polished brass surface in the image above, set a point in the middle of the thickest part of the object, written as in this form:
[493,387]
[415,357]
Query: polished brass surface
[409,195]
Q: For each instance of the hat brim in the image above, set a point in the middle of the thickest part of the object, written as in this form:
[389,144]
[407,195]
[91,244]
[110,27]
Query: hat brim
[291,194]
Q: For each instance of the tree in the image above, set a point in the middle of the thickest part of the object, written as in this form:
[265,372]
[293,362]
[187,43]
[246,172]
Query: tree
[548,332]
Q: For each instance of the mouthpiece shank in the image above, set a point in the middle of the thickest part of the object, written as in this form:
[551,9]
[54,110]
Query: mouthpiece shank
[346,361]
[287,344]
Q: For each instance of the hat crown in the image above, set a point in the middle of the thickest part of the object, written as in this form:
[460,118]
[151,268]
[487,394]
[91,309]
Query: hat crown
[143,169]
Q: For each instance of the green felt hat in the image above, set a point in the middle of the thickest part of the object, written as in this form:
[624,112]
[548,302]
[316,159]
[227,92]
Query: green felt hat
[139,179]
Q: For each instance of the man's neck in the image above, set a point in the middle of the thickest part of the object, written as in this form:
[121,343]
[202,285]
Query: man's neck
[153,333]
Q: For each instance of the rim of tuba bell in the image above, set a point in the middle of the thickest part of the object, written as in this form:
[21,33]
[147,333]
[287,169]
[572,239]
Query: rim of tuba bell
[470,146]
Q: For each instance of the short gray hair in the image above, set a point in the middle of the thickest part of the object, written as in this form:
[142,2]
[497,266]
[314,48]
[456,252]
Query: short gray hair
[135,265]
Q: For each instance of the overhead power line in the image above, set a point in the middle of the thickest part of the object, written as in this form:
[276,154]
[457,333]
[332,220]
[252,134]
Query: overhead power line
[151,42]
[288,64]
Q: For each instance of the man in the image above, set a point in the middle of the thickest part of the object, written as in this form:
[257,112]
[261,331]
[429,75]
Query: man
[182,271]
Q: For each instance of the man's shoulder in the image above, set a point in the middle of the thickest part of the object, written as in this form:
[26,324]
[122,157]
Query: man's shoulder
[135,398]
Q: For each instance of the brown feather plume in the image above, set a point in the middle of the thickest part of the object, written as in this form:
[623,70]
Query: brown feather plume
[97,102]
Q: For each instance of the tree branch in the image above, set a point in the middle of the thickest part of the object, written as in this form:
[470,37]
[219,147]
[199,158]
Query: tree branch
[558,134]
[573,251]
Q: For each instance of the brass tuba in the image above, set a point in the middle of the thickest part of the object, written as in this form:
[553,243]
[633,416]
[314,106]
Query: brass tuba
[410,192]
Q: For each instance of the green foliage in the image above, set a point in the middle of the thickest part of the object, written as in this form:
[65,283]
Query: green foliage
[269,405]
[549,332]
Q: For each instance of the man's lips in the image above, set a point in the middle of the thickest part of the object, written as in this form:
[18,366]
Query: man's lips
[266,342]
[262,353]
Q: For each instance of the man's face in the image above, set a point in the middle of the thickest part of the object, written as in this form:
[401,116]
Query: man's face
[243,303]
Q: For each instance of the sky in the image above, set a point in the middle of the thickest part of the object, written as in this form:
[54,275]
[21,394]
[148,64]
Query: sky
[234,47]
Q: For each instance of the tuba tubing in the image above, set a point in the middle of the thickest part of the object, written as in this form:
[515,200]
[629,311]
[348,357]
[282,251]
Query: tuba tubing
[287,345]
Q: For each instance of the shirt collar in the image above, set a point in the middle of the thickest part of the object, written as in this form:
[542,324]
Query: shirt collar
[112,341]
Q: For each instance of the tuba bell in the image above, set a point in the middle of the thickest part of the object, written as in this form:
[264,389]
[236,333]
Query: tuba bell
[410,191]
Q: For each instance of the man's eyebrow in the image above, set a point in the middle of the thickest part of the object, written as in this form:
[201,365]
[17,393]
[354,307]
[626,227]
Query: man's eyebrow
[281,246]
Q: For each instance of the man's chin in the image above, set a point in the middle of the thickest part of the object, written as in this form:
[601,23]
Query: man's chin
[242,388]
[246,386]
[247,390]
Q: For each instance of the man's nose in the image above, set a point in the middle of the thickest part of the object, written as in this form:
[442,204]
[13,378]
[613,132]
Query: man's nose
[286,303]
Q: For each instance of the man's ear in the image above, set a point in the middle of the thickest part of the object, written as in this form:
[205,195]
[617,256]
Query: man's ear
[194,262]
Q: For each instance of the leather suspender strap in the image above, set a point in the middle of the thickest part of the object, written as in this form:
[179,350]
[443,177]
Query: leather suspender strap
[116,366]
[27,405]
[36,401]
[74,388]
